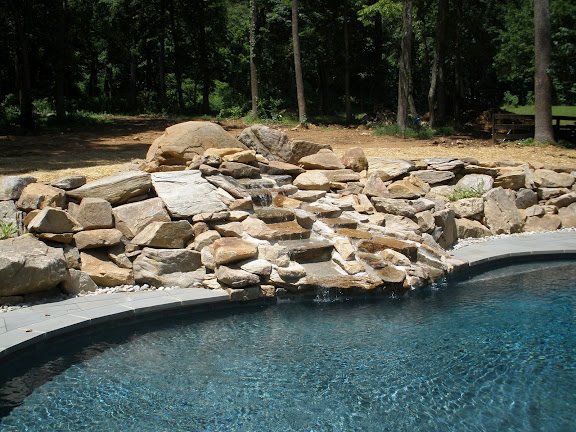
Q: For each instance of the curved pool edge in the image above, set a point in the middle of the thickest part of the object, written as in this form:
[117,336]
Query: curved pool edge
[23,328]
[478,257]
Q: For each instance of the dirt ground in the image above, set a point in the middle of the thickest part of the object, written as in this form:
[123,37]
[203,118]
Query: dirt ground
[103,150]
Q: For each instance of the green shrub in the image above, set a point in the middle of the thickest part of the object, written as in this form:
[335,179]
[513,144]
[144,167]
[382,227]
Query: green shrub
[8,230]
[510,100]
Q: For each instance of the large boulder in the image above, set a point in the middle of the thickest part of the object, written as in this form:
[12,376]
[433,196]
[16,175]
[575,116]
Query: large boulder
[56,221]
[97,238]
[274,144]
[94,213]
[168,267]
[116,189]
[28,265]
[545,178]
[179,144]
[165,235]
[471,228]
[187,193]
[500,212]
[229,250]
[325,160]
[355,159]
[393,168]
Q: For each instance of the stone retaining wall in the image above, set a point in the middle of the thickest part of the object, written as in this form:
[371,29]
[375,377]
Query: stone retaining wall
[267,217]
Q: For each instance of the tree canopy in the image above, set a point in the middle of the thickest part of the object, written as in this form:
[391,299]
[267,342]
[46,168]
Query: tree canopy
[193,57]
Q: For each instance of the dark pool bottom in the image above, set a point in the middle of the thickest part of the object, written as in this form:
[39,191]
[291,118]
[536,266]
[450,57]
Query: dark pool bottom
[494,353]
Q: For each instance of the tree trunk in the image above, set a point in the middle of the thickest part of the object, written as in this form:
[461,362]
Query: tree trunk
[543,131]
[437,95]
[132,90]
[177,63]
[348,102]
[253,69]
[161,75]
[405,73]
[22,11]
[298,65]
[60,66]
[204,61]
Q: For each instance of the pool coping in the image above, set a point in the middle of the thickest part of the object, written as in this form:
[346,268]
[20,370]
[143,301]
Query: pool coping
[477,257]
[22,328]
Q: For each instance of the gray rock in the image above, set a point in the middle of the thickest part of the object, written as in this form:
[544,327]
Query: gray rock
[546,193]
[11,187]
[434,177]
[302,148]
[281,168]
[399,207]
[169,267]
[229,184]
[187,193]
[563,200]
[70,182]
[445,164]
[408,188]
[526,198]
[271,143]
[375,187]
[545,178]
[116,189]
[393,168]
[479,182]
[133,218]
[28,265]
[259,267]
[78,281]
[205,239]
[500,212]
[446,221]
[511,178]
[312,180]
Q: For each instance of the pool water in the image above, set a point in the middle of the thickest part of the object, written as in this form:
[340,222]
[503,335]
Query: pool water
[493,353]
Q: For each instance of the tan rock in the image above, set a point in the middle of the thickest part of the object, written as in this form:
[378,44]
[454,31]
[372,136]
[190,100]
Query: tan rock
[94,213]
[221,152]
[63,238]
[548,222]
[103,271]
[115,189]
[312,180]
[325,160]
[379,243]
[545,178]
[244,156]
[410,187]
[181,142]
[97,238]
[391,169]
[229,250]
[165,235]
[345,248]
[52,220]
[471,208]
[235,278]
[205,239]
[169,267]
[375,187]
[355,159]
[286,202]
[471,228]
[281,168]
[500,212]
[38,196]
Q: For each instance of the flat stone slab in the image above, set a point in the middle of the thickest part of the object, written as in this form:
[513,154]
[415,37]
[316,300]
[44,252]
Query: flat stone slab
[525,245]
[24,327]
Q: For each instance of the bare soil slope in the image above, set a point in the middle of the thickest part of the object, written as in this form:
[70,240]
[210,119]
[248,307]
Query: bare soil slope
[99,151]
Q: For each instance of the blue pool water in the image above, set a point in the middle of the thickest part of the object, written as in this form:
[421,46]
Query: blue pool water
[493,353]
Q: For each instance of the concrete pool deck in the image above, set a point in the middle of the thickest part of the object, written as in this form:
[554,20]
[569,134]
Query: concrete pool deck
[27,326]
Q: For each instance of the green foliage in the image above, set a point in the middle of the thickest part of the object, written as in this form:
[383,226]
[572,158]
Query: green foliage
[509,99]
[467,192]
[7,230]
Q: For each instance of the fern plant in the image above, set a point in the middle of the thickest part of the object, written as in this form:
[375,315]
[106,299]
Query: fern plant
[7,230]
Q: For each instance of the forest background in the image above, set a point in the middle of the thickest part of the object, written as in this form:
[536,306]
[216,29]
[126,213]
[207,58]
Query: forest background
[69,58]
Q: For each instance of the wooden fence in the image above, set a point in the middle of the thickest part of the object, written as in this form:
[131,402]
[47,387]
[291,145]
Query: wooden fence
[513,127]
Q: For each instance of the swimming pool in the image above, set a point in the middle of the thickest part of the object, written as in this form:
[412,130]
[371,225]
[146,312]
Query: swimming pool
[495,352]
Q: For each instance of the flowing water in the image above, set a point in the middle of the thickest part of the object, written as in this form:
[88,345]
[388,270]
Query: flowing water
[493,353]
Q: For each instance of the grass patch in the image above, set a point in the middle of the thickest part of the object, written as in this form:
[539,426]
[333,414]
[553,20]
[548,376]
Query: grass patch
[559,110]
[416,133]
[7,230]
[467,192]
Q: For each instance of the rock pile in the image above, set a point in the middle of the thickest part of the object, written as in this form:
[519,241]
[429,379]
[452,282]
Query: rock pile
[264,216]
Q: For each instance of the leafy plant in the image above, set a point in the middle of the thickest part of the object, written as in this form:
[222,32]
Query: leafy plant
[467,192]
[8,230]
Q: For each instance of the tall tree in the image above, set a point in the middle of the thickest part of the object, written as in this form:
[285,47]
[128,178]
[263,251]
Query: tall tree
[253,68]
[542,86]
[436,94]
[347,97]
[405,72]
[298,64]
